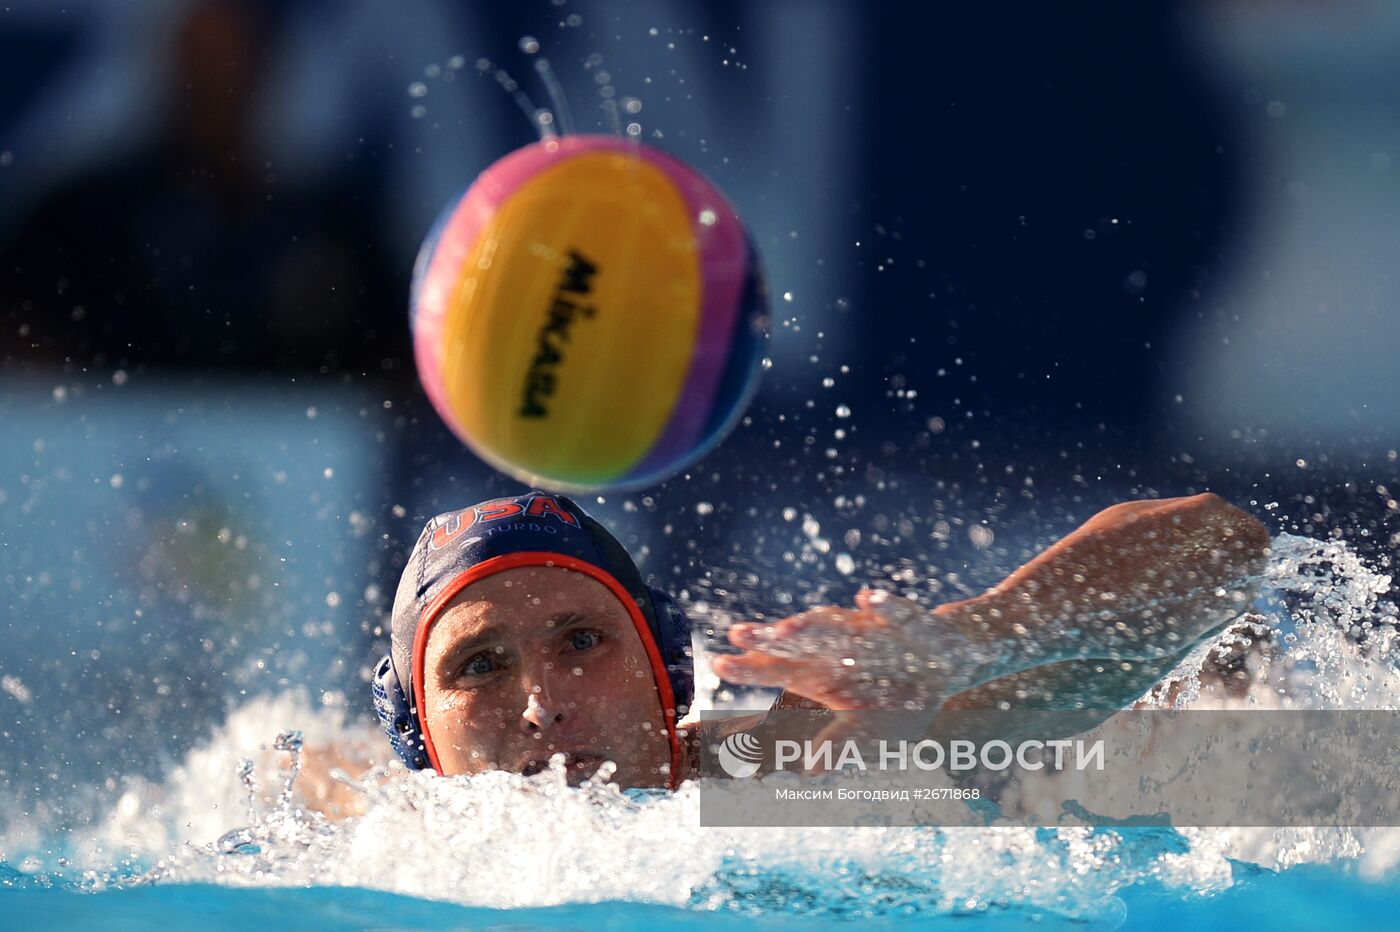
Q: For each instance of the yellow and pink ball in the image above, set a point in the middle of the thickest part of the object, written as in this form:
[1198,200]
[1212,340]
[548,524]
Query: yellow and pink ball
[589,315]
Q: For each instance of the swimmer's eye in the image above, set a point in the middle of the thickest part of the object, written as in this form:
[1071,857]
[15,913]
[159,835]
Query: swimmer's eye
[479,664]
[585,639]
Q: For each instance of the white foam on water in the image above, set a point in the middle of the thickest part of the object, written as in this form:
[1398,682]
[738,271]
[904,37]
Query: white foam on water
[1341,653]
[503,840]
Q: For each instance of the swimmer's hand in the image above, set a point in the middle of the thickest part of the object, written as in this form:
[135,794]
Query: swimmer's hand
[874,656]
[1140,581]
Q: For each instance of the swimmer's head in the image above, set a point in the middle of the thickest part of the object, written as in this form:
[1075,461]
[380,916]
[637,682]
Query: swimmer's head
[522,629]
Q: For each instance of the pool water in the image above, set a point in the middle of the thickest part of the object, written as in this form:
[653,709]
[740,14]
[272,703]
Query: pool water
[503,849]
[1303,897]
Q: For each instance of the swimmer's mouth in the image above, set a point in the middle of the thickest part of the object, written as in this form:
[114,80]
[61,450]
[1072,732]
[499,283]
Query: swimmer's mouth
[576,764]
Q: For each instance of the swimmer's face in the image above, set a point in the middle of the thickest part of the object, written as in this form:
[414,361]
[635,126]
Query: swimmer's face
[534,661]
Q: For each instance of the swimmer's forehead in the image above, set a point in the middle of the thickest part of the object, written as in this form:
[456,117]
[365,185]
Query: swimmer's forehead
[525,595]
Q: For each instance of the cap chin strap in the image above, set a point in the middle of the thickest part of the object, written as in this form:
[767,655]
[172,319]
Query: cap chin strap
[400,724]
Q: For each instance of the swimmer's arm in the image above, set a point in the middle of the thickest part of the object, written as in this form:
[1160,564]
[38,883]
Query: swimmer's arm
[1141,581]
[321,786]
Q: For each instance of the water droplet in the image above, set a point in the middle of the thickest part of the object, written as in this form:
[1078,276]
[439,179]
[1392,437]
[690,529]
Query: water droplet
[787,296]
[845,564]
[574,20]
[457,62]
[707,217]
[529,45]
[843,411]
[704,508]
[290,740]
[417,89]
[418,111]
[238,841]
[631,105]
[634,129]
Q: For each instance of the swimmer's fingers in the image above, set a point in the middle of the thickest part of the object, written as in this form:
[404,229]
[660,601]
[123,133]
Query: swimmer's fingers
[757,669]
[891,611]
[817,679]
[805,641]
[744,635]
[751,636]
[820,630]
[842,658]
[835,682]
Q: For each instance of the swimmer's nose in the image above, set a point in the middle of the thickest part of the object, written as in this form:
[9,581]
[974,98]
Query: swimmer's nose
[537,715]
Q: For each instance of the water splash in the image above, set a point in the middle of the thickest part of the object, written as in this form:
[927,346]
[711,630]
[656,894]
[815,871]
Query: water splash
[607,92]
[1323,637]
[557,119]
[539,117]
[556,96]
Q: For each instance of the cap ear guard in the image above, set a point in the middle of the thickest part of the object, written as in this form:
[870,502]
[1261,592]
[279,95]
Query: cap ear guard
[396,716]
[673,640]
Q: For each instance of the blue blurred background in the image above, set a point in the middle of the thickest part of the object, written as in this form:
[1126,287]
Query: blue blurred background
[1024,261]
